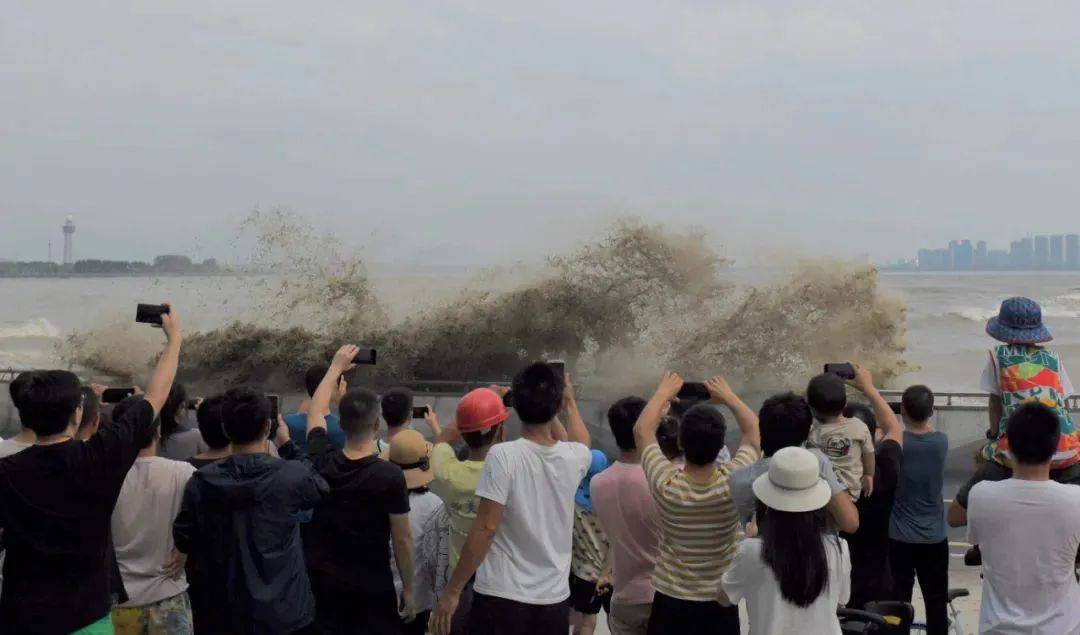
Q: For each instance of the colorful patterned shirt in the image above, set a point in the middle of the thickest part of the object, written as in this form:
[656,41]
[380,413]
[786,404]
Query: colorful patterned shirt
[1025,374]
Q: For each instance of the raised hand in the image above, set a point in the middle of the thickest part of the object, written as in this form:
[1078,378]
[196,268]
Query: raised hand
[720,391]
[670,385]
[343,358]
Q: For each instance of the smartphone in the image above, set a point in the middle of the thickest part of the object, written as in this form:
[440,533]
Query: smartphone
[843,371]
[694,391]
[508,399]
[559,366]
[116,395]
[419,412]
[193,404]
[275,406]
[275,410]
[150,313]
[366,357]
[895,406]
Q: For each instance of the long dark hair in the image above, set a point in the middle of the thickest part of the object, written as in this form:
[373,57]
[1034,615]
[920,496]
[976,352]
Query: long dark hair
[174,406]
[793,547]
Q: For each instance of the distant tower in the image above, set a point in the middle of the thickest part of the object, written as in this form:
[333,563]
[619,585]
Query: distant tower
[69,233]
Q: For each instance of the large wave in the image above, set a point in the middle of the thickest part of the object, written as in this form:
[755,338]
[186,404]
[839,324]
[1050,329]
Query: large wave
[638,299]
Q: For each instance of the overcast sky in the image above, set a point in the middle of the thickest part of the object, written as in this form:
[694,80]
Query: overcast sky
[471,131]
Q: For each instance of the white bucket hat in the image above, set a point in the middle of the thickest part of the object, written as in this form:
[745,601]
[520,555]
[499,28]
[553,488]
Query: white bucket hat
[793,483]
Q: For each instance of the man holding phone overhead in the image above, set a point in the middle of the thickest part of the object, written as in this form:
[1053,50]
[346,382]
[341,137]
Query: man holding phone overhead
[57,580]
[348,544]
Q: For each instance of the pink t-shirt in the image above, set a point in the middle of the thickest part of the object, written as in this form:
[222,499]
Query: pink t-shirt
[624,505]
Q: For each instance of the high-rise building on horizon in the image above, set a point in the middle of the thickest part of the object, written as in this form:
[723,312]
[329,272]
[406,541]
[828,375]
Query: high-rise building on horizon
[69,236]
[981,254]
[1072,251]
[1041,258]
[1057,251]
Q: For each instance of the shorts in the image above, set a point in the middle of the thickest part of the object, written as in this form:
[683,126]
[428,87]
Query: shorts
[672,615]
[171,616]
[499,616]
[584,598]
[993,471]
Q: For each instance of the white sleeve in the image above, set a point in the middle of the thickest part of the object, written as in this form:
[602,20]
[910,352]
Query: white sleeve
[973,514]
[584,456]
[737,578]
[494,482]
[989,381]
[845,573]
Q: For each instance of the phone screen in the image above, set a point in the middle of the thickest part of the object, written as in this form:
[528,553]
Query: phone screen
[419,412]
[843,371]
[116,395]
[694,390]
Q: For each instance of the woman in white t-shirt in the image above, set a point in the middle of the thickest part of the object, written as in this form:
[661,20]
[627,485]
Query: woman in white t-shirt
[796,573]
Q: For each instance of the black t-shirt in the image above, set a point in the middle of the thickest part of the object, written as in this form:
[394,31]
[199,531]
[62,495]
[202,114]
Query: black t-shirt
[56,503]
[871,575]
[348,539]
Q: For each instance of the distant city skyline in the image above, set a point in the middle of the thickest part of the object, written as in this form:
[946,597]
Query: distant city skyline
[1058,252]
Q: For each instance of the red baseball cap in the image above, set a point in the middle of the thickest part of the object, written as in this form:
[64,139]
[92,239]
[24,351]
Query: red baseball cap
[480,410]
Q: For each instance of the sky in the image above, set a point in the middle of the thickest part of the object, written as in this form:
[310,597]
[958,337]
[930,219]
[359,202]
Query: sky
[476,132]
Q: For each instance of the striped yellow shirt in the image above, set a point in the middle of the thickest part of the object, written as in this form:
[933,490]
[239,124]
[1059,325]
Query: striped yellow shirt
[699,526]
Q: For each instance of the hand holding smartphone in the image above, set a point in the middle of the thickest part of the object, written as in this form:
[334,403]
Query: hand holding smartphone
[150,313]
[420,412]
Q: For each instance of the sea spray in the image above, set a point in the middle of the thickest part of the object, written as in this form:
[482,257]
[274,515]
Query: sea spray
[620,309]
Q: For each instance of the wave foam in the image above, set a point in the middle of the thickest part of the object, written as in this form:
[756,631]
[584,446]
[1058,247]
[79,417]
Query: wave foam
[37,327]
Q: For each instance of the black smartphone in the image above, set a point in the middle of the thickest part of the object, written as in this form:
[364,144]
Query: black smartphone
[895,406]
[193,404]
[275,410]
[150,313]
[559,366]
[843,371]
[508,399]
[694,391]
[366,357]
[116,395]
[419,412]
[275,406]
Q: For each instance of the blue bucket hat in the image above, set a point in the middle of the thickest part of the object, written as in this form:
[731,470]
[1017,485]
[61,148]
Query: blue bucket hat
[599,464]
[1019,322]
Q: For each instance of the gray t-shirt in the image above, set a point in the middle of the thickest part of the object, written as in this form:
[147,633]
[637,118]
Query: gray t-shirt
[182,445]
[742,480]
[918,514]
[142,528]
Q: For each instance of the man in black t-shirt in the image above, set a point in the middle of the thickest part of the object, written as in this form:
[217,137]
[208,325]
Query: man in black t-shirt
[871,575]
[58,498]
[348,540]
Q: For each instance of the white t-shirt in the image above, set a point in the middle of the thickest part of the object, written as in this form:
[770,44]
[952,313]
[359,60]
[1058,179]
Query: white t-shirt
[751,579]
[1029,532]
[989,380]
[142,528]
[529,561]
[421,508]
[11,446]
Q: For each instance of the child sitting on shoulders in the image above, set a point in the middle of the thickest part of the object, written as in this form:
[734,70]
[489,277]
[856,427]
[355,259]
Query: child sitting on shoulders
[847,442]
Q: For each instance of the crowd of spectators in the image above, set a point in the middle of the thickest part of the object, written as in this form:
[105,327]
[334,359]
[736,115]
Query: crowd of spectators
[125,519]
